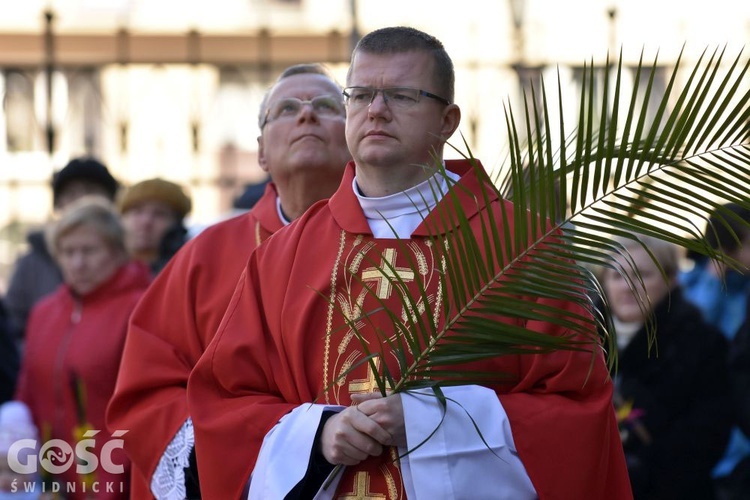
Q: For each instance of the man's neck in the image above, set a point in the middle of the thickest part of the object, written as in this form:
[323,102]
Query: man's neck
[376,182]
[297,193]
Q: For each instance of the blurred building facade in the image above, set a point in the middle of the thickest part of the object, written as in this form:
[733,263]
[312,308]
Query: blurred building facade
[171,88]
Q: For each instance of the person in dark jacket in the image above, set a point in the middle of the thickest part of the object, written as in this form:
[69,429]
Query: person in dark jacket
[673,397]
[721,292]
[35,274]
[737,486]
[9,360]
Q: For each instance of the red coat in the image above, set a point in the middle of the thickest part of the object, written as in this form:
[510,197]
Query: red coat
[171,328]
[81,338]
[281,344]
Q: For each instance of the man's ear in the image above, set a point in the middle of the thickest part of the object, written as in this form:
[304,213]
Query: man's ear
[451,119]
[261,155]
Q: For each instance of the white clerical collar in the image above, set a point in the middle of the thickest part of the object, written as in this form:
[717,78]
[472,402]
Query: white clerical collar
[405,210]
[280,212]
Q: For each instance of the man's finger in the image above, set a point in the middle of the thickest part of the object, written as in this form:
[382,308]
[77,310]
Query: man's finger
[366,425]
[366,396]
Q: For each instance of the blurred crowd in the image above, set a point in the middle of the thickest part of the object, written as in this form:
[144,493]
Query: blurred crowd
[64,318]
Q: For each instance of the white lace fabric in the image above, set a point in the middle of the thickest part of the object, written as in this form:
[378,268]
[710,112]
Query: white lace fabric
[168,481]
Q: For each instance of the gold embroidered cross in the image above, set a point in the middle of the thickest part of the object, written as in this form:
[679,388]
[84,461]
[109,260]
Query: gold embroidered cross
[366,385]
[362,489]
[387,272]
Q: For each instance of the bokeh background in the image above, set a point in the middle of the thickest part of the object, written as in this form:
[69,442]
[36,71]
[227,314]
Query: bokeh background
[171,88]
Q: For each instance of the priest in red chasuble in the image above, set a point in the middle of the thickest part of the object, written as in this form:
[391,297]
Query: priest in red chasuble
[303,148]
[281,397]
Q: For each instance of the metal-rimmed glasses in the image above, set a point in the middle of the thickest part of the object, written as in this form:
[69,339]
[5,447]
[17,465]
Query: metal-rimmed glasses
[398,97]
[290,107]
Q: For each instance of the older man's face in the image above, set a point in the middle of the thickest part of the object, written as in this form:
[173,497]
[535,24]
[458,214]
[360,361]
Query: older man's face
[309,141]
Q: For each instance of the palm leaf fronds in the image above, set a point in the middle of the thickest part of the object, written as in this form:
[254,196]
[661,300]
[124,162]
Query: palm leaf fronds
[625,169]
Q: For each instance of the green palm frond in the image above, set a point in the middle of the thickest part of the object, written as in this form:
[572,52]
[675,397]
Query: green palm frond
[624,169]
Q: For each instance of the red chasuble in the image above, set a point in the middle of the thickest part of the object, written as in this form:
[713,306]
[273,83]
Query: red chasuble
[284,340]
[171,328]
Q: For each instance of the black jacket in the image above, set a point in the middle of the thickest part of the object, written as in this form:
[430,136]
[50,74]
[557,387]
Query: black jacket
[9,358]
[682,392]
[739,359]
[35,275]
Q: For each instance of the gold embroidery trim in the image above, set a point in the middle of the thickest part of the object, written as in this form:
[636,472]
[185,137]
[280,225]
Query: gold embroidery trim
[331,306]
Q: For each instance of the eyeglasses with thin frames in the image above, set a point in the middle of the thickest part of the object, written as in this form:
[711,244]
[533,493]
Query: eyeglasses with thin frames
[289,108]
[397,97]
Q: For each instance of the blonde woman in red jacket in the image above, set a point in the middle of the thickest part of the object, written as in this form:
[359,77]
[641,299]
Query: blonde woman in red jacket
[73,349]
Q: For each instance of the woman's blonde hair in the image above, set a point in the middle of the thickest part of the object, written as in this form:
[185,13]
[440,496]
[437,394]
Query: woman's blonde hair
[91,211]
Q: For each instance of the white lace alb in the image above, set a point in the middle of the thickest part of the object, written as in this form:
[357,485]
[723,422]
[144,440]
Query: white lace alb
[168,482]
